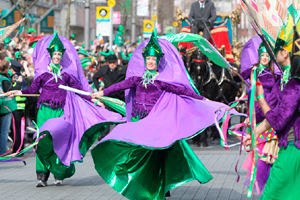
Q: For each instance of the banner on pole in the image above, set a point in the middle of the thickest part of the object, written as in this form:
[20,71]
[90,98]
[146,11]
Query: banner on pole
[117,17]
[102,14]
[143,8]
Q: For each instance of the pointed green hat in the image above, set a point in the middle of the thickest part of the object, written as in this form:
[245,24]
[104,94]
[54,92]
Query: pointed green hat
[153,48]
[56,45]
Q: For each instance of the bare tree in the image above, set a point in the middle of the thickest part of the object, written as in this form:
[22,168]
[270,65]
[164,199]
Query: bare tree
[125,8]
[22,7]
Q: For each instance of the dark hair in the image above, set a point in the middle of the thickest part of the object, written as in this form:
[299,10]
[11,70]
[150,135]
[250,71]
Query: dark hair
[3,55]
[2,46]
[4,65]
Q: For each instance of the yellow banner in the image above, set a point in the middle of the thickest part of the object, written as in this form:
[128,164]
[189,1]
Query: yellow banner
[102,14]
[148,26]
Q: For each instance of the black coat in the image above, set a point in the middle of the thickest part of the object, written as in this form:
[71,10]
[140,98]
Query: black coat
[102,73]
[209,13]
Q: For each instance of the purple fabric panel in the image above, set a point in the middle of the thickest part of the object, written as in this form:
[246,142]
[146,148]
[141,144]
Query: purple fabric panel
[173,117]
[70,61]
[249,55]
[67,130]
[283,117]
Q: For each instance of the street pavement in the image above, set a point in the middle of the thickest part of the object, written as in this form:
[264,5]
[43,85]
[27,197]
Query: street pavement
[17,181]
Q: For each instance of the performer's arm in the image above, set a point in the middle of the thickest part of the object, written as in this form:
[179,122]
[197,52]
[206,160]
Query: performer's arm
[245,75]
[126,84]
[72,83]
[282,114]
[180,90]
[35,86]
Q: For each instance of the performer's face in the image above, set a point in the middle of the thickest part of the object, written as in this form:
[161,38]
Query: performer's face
[264,59]
[151,63]
[282,56]
[56,58]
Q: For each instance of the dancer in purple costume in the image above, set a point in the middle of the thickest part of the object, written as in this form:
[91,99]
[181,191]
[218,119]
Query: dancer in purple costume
[147,157]
[267,78]
[62,115]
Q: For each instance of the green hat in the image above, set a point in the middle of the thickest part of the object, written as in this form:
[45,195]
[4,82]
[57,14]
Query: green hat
[153,48]
[56,45]
[126,57]
[83,52]
[106,53]
[85,62]
[7,40]
[121,28]
[262,49]
[17,55]
[31,30]
[73,36]
[285,36]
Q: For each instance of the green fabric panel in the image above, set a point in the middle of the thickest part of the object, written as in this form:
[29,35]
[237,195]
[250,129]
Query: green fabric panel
[284,182]
[140,173]
[45,152]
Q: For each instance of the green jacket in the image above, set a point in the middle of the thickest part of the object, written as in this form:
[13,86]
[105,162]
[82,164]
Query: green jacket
[8,102]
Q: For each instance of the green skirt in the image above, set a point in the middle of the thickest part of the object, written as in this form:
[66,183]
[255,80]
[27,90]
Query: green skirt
[140,173]
[47,159]
[284,179]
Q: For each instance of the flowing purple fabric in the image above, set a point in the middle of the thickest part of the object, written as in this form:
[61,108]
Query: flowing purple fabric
[79,114]
[250,55]
[173,117]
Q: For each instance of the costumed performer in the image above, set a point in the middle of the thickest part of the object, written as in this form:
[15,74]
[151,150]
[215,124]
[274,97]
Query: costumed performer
[284,179]
[267,142]
[64,117]
[147,157]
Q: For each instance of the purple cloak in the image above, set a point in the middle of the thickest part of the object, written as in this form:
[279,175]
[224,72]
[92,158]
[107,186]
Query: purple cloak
[79,114]
[173,117]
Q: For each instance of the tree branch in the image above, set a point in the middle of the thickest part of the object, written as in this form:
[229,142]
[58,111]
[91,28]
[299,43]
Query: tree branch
[31,6]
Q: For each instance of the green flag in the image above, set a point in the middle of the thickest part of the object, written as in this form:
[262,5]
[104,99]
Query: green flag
[119,108]
[205,47]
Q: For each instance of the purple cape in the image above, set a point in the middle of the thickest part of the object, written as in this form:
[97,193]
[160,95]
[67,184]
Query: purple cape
[79,114]
[173,117]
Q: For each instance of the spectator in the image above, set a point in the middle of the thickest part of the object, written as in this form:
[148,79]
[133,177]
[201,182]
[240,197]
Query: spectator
[6,102]
[202,14]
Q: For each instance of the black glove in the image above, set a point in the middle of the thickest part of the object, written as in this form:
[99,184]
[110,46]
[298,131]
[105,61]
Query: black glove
[207,22]
[193,23]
